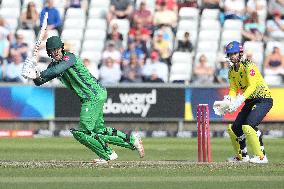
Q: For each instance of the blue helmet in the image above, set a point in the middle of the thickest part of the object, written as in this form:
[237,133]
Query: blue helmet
[234,47]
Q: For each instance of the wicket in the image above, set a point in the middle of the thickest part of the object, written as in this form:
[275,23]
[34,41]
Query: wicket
[203,133]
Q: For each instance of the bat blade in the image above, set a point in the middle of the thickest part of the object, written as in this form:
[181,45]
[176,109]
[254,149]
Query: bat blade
[40,35]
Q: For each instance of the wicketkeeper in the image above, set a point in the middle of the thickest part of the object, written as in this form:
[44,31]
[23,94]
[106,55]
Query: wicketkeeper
[244,76]
[92,133]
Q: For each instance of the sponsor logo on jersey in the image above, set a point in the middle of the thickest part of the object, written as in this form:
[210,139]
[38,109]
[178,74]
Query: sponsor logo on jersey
[66,58]
[252,72]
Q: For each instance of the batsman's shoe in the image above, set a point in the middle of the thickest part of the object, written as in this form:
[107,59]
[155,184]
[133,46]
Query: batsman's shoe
[258,159]
[139,145]
[236,159]
[112,157]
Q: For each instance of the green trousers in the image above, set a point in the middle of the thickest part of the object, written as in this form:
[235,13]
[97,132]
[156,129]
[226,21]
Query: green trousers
[92,131]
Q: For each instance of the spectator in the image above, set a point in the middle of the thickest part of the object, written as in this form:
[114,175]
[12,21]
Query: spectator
[210,4]
[83,4]
[202,72]
[4,46]
[143,16]
[54,20]
[258,6]
[253,30]
[167,33]
[165,16]
[275,27]
[222,71]
[121,9]
[154,70]
[5,29]
[29,18]
[185,44]
[112,52]
[187,3]
[276,5]
[109,72]
[234,9]
[142,30]
[274,63]
[132,49]
[14,69]
[19,46]
[116,37]
[169,4]
[163,47]
[132,72]
[141,43]
[92,67]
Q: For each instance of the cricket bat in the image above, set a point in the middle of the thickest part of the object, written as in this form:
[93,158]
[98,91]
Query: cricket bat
[29,70]
[40,36]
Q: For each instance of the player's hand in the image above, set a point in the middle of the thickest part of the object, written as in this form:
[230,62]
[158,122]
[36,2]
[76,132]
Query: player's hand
[30,70]
[227,98]
[236,103]
[221,107]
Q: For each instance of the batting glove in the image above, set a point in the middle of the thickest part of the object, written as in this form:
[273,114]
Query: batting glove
[30,70]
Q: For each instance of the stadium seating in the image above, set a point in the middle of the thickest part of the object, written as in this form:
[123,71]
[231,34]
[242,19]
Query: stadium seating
[181,69]
[85,31]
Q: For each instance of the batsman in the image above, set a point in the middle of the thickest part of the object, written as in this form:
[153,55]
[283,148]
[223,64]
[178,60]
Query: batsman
[244,76]
[92,133]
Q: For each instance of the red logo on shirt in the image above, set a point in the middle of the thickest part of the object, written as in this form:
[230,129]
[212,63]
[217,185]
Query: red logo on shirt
[252,72]
[66,58]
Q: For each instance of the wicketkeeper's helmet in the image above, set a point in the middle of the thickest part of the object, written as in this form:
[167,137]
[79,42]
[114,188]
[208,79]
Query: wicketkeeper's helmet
[54,42]
[234,47]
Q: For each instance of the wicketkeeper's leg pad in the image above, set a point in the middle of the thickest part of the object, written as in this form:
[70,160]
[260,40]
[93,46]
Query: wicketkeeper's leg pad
[93,143]
[253,140]
[234,141]
[116,137]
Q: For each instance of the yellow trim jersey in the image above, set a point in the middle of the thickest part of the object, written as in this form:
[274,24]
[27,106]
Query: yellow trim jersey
[249,80]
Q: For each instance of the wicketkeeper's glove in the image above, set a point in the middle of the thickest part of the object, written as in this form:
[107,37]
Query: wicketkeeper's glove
[236,103]
[222,107]
[30,70]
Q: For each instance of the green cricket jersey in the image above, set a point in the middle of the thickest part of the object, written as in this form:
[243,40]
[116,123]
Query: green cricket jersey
[74,75]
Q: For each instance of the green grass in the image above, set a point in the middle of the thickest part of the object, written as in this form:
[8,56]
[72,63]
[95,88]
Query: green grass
[169,163]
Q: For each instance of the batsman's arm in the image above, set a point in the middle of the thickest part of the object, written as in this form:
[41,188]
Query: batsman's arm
[52,72]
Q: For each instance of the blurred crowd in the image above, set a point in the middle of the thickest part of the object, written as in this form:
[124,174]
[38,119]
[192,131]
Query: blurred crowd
[135,41]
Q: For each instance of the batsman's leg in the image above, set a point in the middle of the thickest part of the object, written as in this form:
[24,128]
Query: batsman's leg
[93,144]
[119,138]
[88,116]
[116,137]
